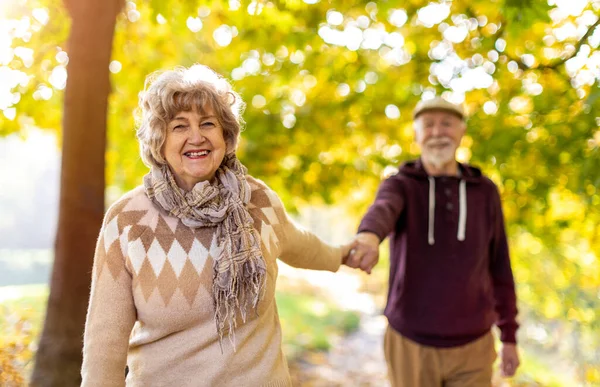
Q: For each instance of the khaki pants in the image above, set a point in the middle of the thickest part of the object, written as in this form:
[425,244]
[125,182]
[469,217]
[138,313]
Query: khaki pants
[414,365]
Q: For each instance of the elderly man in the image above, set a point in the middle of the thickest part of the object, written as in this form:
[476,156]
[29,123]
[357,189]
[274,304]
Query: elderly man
[450,275]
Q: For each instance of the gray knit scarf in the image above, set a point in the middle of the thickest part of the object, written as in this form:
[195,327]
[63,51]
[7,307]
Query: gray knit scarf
[239,271]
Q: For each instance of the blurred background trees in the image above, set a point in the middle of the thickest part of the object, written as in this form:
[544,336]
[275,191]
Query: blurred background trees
[330,86]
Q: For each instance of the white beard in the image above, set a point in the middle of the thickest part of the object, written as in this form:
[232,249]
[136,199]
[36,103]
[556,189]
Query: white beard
[437,156]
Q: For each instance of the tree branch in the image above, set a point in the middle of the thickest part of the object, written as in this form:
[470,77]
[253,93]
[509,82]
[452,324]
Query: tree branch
[553,65]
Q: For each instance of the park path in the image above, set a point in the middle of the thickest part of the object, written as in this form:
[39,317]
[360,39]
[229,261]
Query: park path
[354,360]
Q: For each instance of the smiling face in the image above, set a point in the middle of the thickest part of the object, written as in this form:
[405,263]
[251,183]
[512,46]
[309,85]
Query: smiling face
[194,146]
[438,133]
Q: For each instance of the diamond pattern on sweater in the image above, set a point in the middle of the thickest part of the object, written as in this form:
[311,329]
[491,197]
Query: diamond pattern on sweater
[177,264]
[171,222]
[267,211]
[163,255]
[268,238]
[114,266]
[130,218]
[214,250]
[163,262]
[185,236]
[206,275]
[123,240]
[117,209]
[147,237]
[189,281]
[205,238]
[271,215]
[111,233]
[167,282]
[157,256]
[146,279]
[136,231]
[100,258]
[197,255]
[164,234]
[137,254]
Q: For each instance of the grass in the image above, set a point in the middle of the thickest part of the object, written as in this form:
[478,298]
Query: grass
[22,311]
[311,323]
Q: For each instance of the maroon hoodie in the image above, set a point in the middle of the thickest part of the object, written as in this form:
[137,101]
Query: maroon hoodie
[450,275]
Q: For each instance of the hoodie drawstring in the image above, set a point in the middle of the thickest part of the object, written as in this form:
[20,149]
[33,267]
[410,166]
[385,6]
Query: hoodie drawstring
[430,237]
[462,214]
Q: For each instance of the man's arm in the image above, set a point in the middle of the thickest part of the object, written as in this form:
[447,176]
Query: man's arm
[377,223]
[383,214]
[504,291]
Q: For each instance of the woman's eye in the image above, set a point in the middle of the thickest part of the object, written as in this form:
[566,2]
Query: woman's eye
[179,127]
[208,124]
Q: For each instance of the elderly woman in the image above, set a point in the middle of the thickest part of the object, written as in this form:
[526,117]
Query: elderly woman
[183,287]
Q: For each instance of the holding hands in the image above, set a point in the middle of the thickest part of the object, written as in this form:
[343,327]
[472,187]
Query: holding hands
[362,252]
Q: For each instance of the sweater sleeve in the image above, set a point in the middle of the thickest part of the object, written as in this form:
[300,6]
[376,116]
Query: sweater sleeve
[302,249]
[111,311]
[502,276]
[383,214]
[305,250]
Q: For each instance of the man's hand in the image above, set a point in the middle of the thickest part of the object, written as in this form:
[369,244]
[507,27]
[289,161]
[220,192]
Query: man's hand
[365,254]
[509,359]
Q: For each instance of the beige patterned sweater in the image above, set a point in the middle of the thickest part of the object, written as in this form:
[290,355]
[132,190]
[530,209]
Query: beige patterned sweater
[151,301]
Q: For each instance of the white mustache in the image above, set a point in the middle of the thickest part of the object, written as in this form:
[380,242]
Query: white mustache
[439,141]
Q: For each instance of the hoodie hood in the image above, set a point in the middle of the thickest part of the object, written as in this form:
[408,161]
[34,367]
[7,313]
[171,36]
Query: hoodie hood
[468,173]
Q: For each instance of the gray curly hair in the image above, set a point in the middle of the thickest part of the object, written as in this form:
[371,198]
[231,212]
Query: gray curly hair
[169,92]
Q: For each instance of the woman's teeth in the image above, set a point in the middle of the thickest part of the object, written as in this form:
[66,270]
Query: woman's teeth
[197,154]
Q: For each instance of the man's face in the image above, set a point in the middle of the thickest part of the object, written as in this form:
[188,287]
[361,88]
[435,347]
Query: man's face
[438,133]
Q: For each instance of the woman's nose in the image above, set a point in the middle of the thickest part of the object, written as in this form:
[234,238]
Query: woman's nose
[196,135]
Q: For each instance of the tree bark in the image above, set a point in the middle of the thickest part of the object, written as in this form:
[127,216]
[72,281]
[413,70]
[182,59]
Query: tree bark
[81,208]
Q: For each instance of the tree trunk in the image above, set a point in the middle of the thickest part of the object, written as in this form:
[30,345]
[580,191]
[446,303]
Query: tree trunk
[81,208]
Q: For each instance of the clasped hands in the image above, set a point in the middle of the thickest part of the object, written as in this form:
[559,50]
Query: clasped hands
[362,252]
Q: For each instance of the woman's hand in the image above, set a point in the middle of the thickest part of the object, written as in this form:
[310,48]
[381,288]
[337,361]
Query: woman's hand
[347,249]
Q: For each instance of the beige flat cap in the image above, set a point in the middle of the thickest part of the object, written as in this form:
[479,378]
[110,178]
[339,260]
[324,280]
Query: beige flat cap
[438,103]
